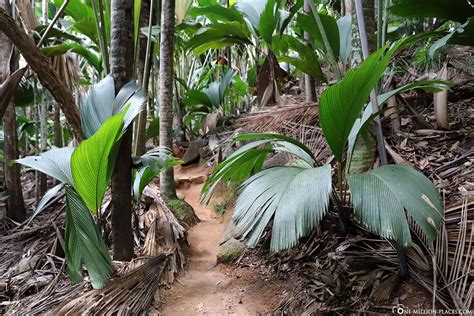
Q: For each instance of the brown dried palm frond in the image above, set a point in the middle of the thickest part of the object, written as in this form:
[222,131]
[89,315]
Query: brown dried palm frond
[67,67]
[27,15]
[130,294]
[298,121]
[452,283]
[165,235]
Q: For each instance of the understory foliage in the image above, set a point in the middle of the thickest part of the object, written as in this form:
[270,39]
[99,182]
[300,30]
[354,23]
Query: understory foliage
[297,196]
[229,57]
[85,173]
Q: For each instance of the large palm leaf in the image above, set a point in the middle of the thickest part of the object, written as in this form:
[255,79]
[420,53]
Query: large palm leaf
[381,195]
[295,197]
[101,103]
[55,163]
[93,160]
[84,245]
[249,159]
[341,104]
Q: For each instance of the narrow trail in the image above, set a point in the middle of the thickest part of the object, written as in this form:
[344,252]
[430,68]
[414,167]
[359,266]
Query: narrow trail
[206,288]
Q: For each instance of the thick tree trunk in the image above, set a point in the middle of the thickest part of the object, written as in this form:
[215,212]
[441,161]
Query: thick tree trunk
[121,65]
[41,64]
[15,202]
[167,185]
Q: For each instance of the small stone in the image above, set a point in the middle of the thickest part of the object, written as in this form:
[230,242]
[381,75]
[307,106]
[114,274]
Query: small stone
[229,232]
[180,196]
[230,251]
[191,155]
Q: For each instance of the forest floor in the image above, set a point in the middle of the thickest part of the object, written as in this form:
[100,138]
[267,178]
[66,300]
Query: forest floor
[208,288]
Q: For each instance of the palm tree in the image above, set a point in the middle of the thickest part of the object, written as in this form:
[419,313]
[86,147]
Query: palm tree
[8,64]
[121,65]
[167,185]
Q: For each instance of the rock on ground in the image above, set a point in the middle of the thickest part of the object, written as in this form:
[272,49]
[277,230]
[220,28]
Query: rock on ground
[230,251]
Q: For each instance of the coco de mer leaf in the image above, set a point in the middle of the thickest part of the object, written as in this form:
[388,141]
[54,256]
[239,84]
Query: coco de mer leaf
[55,163]
[296,198]
[380,197]
[92,161]
[341,104]
[84,245]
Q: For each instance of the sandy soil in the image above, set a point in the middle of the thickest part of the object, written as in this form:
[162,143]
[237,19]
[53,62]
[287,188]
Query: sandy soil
[210,289]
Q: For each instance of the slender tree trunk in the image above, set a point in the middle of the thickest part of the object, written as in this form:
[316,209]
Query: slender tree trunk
[167,185]
[310,83]
[57,127]
[121,65]
[370,24]
[43,115]
[15,202]
[143,78]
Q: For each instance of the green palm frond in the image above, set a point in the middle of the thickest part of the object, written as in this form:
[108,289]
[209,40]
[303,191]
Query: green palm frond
[84,245]
[93,160]
[249,159]
[295,197]
[341,104]
[381,195]
[151,164]
[101,103]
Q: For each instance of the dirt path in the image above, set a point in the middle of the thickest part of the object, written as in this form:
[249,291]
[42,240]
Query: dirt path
[206,288]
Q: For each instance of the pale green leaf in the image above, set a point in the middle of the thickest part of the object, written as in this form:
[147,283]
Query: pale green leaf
[381,195]
[55,163]
[296,198]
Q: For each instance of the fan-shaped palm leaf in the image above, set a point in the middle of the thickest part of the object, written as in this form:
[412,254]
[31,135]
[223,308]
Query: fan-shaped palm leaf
[295,197]
[101,103]
[249,159]
[151,164]
[381,195]
[97,107]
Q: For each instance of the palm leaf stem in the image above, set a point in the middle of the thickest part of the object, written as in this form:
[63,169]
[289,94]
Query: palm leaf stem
[330,52]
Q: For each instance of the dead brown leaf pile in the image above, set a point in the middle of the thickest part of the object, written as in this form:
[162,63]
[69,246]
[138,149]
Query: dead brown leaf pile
[32,270]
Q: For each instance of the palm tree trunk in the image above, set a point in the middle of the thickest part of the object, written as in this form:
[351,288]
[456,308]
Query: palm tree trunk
[310,83]
[370,24]
[15,202]
[121,65]
[167,185]
[143,76]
